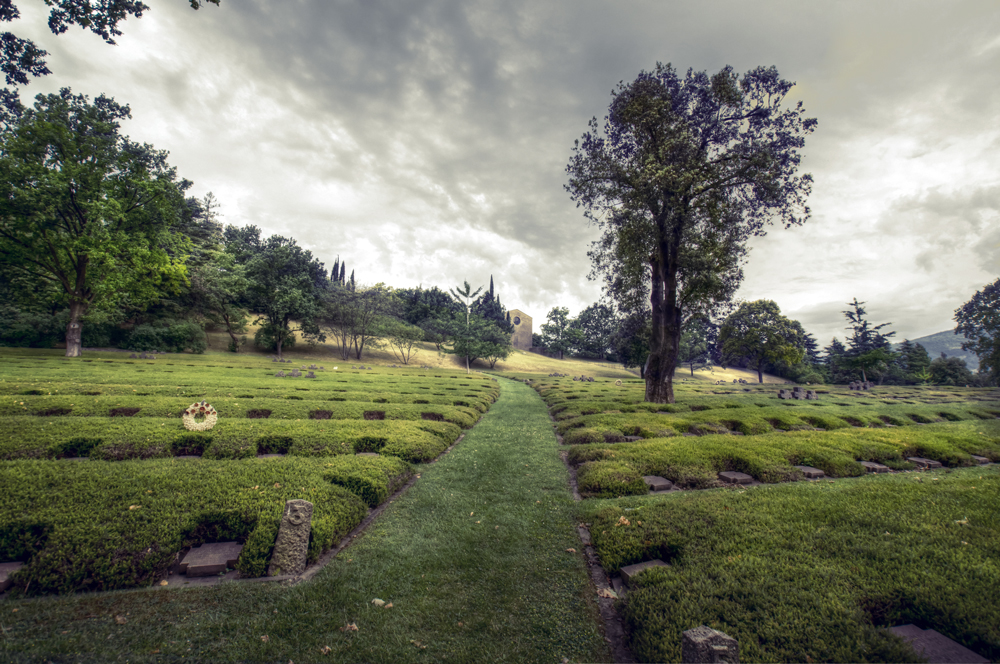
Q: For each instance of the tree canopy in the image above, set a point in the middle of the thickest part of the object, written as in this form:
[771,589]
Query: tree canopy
[686,170]
[979,322]
[757,333]
[87,211]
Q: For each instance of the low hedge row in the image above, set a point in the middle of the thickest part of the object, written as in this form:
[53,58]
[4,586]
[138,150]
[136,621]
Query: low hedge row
[478,400]
[787,416]
[102,526]
[373,479]
[232,407]
[610,470]
[811,572]
[121,438]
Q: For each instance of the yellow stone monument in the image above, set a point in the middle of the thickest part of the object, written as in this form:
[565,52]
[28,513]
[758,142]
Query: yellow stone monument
[520,338]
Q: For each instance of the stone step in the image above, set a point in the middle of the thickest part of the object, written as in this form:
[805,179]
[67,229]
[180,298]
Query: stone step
[6,569]
[980,459]
[629,571]
[811,473]
[873,467]
[732,477]
[657,483]
[924,463]
[936,647]
[209,559]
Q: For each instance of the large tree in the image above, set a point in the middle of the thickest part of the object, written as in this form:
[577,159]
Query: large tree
[687,169]
[979,322]
[756,334]
[597,324]
[87,211]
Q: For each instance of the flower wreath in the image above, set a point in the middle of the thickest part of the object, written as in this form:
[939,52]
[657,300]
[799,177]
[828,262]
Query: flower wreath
[196,409]
[618,383]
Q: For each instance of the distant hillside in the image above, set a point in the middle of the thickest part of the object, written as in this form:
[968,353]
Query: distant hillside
[947,342]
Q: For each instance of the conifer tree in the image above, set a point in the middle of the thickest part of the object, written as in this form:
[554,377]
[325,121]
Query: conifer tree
[335,273]
[343,271]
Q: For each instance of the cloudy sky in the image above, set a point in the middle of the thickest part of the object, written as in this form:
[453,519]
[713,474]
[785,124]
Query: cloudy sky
[425,141]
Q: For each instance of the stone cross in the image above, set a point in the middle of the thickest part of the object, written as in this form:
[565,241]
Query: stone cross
[704,645]
[292,546]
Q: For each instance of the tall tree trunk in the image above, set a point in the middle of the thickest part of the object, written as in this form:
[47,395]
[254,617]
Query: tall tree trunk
[666,334]
[760,375]
[227,319]
[277,342]
[74,329]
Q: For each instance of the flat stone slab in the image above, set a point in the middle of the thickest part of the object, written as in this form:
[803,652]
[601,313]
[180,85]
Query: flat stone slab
[630,571]
[657,483]
[617,585]
[979,459]
[732,477]
[811,473]
[633,439]
[367,454]
[924,463]
[6,569]
[270,456]
[936,647]
[873,467]
[209,559]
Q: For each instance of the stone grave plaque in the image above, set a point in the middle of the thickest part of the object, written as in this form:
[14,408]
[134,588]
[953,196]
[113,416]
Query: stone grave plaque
[630,571]
[209,559]
[633,439]
[6,569]
[657,483]
[732,477]
[270,456]
[704,645]
[924,463]
[811,473]
[936,647]
[291,549]
[873,467]
[367,454]
[980,459]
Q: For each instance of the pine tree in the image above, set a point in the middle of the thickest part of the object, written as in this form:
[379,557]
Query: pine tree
[353,285]
[335,273]
[343,271]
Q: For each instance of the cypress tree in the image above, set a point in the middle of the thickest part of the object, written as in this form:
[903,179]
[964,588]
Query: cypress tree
[335,274]
[352,280]
[343,271]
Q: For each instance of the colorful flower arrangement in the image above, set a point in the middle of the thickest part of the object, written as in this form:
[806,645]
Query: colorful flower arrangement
[196,409]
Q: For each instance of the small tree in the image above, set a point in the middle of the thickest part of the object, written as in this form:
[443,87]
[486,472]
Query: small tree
[464,296]
[694,346]
[557,335]
[979,322]
[757,333]
[402,339]
[950,371]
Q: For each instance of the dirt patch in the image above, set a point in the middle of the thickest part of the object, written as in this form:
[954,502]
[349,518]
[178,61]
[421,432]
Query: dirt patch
[53,412]
[123,412]
[374,414]
[320,414]
[258,414]
[433,417]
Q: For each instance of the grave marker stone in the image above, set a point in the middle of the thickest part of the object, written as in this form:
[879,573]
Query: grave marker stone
[704,645]
[291,549]
[811,473]
[873,467]
[6,570]
[733,477]
[657,483]
[924,463]
[209,559]
[935,646]
[629,571]
[980,459]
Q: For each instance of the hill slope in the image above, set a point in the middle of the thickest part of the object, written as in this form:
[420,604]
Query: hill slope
[947,342]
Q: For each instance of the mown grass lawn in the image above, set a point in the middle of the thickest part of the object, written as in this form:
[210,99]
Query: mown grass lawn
[473,559]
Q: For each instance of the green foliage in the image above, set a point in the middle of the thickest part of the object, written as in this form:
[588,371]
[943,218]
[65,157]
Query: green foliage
[756,333]
[88,212]
[557,335]
[371,479]
[402,339]
[949,371]
[266,338]
[979,321]
[167,336]
[813,571]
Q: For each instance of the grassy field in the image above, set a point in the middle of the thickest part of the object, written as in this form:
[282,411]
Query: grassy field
[475,563]
[119,517]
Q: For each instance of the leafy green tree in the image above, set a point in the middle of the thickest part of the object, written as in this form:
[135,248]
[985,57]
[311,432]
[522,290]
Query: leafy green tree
[465,296]
[480,338]
[488,306]
[979,322]
[695,344]
[597,324]
[687,170]
[915,362]
[836,355]
[356,318]
[631,340]
[219,286]
[402,338]
[950,371]
[88,212]
[285,282]
[557,335]
[757,333]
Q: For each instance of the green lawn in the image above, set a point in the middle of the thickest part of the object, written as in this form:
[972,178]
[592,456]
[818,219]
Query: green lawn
[473,559]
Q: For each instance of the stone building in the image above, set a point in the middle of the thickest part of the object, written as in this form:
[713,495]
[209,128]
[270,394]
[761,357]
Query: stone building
[520,338]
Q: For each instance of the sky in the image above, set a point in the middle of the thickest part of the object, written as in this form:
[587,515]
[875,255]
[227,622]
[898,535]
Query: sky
[425,142]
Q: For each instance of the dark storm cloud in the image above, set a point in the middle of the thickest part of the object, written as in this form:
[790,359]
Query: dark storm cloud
[427,140]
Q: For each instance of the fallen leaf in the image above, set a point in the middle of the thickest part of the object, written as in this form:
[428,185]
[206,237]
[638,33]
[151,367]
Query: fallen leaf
[325,650]
[134,507]
[964,542]
[460,625]
[622,521]
[477,522]
[418,644]
[265,638]
[163,583]
[378,602]
[570,550]
[349,627]
[277,486]
[389,605]
[120,620]
[607,592]
[471,513]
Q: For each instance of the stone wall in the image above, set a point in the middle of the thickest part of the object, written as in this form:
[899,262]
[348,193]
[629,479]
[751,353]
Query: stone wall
[521,337]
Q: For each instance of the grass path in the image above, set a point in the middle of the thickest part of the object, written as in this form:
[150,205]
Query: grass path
[473,559]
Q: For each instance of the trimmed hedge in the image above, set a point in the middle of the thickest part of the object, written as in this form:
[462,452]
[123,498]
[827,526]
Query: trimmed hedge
[373,479]
[120,438]
[102,526]
[609,470]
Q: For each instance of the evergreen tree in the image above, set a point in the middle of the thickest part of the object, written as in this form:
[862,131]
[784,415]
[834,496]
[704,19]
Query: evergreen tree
[352,285]
[335,272]
[914,361]
[836,353]
[343,273]
[488,306]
